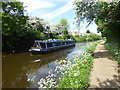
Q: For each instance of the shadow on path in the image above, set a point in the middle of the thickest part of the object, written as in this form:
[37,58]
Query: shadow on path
[101,55]
[114,83]
[102,63]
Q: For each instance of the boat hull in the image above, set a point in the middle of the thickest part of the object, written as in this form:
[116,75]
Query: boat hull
[47,51]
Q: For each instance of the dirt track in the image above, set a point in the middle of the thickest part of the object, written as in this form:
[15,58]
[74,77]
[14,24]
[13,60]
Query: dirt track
[105,71]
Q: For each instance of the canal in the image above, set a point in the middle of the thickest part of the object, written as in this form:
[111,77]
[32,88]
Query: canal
[18,68]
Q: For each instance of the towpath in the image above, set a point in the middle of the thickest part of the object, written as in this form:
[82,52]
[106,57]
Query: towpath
[105,71]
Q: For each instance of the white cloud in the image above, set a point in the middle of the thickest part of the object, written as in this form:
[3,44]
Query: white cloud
[68,6]
[37,4]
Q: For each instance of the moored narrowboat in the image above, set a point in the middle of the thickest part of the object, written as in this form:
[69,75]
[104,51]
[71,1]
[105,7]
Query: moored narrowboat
[40,47]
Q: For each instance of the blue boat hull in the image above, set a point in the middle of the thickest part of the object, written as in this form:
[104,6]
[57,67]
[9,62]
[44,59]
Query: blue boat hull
[47,51]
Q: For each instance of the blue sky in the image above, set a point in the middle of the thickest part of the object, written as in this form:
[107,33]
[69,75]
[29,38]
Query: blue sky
[55,10]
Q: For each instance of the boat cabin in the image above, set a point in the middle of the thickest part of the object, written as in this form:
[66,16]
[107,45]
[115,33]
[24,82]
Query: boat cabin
[44,46]
[39,45]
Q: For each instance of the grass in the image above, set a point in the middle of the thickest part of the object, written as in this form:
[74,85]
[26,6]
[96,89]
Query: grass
[71,74]
[78,77]
[114,50]
[90,37]
[80,39]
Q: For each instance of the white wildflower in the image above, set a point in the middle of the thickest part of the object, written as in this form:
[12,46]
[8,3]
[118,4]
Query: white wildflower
[77,74]
[66,71]
[56,68]
[76,81]
[33,78]
[28,79]
[38,83]
[57,71]
[50,71]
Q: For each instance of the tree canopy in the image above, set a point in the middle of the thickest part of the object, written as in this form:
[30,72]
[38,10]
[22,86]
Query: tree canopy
[105,14]
[19,28]
[65,26]
[13,18]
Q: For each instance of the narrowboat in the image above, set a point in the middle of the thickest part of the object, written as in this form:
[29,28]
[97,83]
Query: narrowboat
[41,47]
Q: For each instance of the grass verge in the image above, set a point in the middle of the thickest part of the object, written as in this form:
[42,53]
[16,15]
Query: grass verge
[78,77]
[114,50]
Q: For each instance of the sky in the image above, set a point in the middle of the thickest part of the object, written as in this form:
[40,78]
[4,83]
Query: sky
[55,10]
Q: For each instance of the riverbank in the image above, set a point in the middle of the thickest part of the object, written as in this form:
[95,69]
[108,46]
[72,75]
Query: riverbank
[105,71]
[87,38]
[79,74]
[29,66]
[71,73]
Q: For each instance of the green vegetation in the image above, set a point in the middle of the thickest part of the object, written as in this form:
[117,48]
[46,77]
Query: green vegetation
[64,25]
[113,49]
[93,37]
[71,73]
[107,17]
[78,38]
[78,77]
[20,30]
[88,37]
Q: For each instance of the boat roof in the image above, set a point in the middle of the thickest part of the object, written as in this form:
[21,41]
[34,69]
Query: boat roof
[56,40]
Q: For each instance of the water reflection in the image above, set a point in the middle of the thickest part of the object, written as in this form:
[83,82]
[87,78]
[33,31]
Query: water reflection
[17,68]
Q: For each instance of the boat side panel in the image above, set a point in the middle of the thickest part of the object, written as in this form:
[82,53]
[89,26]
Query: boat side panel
[55,46]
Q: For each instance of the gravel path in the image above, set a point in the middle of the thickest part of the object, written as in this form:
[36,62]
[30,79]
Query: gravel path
[105,71]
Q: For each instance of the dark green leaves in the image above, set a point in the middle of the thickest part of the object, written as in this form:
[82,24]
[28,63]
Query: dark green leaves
[103,13]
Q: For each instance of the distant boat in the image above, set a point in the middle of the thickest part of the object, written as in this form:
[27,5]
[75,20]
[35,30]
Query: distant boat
[41,47]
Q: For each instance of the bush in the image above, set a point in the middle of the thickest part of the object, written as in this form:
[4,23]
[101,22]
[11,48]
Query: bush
[93,37]
[79,39]
[90,37]
[114,49]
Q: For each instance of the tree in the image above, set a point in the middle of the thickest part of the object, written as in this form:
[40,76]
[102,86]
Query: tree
[93,37]
[87,31]
[13,21]
[105,14]
[64,26]
[18,28]
[13,17]
[34,29]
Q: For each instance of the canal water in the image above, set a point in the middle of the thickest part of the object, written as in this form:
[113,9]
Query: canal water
[18,68]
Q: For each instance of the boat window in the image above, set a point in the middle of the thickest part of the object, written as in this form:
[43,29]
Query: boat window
[63,43]
[57,43]
[49,45]
[36,44]
[71,41]
[42,45]
[67,42]
[54,45]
